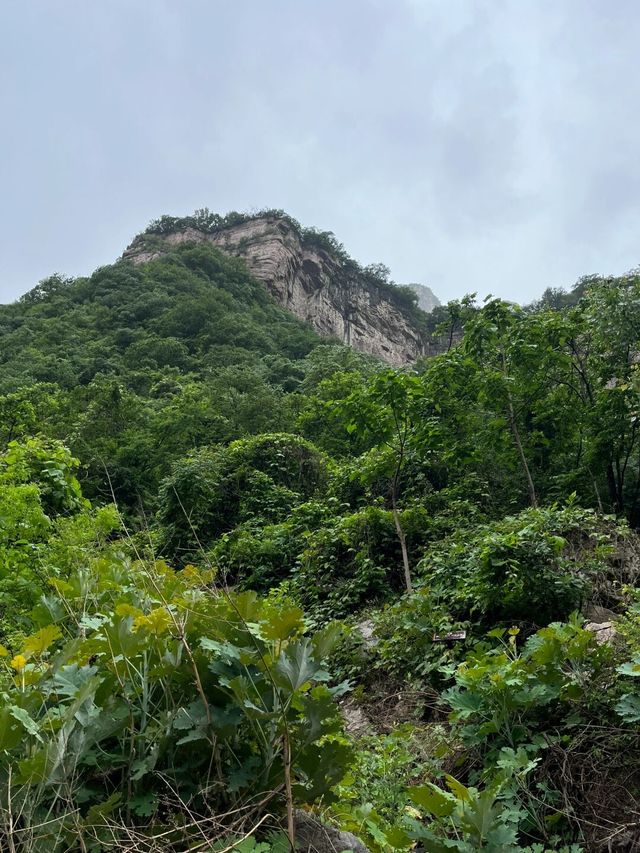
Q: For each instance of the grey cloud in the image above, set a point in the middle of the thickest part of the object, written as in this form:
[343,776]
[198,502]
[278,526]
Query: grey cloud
[470,145]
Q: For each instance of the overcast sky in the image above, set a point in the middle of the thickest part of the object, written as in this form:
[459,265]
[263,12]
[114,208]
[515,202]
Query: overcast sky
[469,145]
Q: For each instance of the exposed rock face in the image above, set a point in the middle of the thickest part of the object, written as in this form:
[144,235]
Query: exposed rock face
[604,632]
[314,836]
[427,300]
[312,284]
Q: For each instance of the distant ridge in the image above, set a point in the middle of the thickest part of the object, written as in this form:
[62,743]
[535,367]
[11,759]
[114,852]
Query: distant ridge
[427,300]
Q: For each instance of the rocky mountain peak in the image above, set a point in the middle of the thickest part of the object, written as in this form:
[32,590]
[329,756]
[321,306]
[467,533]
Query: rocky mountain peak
[309,274]
[427,300]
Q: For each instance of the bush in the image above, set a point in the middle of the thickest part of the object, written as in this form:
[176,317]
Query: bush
[44,523]
[355,560]
[406,647]
[49,465]
[146,690]
[523,568]
[258,479]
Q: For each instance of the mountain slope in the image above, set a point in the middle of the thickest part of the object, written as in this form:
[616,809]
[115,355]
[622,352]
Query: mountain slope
[427,300]
[193,309]
[308,273]
[136,365]
[178,345]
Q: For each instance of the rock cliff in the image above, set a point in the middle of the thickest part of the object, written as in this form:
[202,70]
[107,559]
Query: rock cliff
[427,300]
[337,298]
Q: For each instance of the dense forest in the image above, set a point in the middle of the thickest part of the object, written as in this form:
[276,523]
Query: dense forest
[253,582]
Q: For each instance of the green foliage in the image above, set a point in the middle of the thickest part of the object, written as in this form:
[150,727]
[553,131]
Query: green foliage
[23,527]
[260,556]
[354,559]
[384,767]
[149,684]
[467,819]
[479,480]
[49,465]
[214,490]
[629,704]
[406,646]
[272,842]
[46,526]
[25,411]
[144,363]
[504,697]
[374,797]
[533,567]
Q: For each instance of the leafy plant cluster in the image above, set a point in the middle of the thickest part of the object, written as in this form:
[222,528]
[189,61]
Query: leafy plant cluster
[147,695]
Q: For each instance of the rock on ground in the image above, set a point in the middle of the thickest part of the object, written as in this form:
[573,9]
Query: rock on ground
[316,837]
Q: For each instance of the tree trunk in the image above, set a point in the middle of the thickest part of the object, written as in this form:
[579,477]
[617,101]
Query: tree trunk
[614,492]
[291,831]
[533,499]
[401,538]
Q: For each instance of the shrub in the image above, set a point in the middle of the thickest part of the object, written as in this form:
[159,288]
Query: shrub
[353,560]
[520,569]
[212,491]
[146,690]
[49,465]
[406,647]
[503,697]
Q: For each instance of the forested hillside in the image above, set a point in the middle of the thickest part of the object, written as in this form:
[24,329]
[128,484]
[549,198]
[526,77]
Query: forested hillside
[258,589]
[134,366]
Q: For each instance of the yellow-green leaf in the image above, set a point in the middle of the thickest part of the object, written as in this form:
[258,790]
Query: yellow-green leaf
[458,789]
[39,642]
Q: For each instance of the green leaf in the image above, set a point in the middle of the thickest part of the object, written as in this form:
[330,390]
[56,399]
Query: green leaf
[324,641]
[630,668]
[464,703]
[251,845]
[97,813]
[320,713]
[226,651]
[397,838]
[281,623]
[11,729]
[243,774]
[458,789]
[429,797]
[26,721]
[629,708]
[39,642]
[69,680]
[93,623]
[144,805]
[297,666]
[247,606]
[36,768]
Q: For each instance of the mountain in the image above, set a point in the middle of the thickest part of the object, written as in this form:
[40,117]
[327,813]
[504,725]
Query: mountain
[331,574]
[427,300]
[136,364]
[203,332]
[310,274]
[192,310]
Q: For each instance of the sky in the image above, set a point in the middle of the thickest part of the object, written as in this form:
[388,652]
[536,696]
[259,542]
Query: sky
[472,146]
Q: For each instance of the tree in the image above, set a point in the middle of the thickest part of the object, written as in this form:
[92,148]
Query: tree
[605,359]
[383,414]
